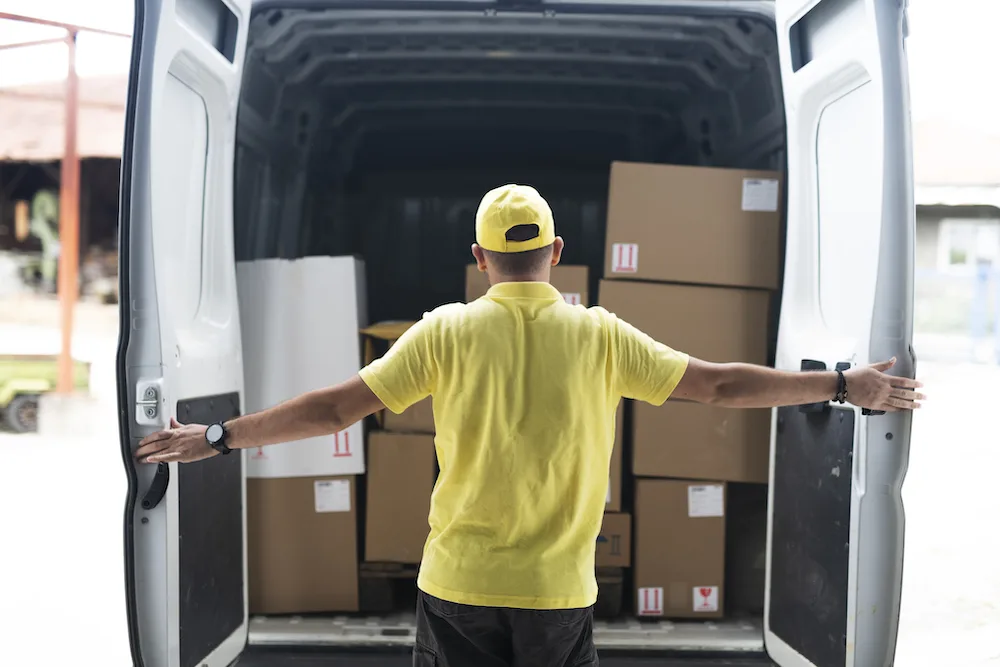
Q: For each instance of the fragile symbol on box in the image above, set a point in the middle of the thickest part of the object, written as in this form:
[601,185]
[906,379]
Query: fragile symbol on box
[341,444]
[650,602]
[259,454]
[624,258]
[572,298]
[706,598]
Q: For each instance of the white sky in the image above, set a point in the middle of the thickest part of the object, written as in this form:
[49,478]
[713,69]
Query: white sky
[952,48]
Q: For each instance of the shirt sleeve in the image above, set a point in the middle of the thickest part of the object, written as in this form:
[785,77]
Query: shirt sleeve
[406,374]
[646,370]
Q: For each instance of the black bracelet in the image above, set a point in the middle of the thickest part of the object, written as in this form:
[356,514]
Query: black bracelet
[841,396]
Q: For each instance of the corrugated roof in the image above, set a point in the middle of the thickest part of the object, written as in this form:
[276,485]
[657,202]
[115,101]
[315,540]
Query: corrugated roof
[31,119]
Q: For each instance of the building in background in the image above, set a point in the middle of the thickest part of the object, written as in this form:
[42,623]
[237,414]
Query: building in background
[31,145]
[957,175]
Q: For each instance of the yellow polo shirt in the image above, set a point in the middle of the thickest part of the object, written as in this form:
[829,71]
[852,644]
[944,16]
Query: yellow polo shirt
[525,389]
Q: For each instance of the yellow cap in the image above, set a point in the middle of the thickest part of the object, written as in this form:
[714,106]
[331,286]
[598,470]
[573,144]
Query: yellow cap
[509,206]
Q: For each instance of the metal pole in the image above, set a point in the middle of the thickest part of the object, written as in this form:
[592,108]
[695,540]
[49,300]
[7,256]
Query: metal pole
[69,221]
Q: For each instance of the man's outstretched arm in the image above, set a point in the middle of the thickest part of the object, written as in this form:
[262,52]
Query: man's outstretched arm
[312,414]
[750,386]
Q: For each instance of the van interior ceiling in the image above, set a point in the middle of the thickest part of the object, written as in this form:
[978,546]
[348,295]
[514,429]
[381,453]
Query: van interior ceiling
[376,133]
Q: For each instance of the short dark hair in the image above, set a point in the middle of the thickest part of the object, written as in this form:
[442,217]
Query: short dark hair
[520,263]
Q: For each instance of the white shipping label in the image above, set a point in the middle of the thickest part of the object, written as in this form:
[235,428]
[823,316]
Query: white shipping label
[706,599]
[704,501]
[572,298]
[624,258]
[760,194]
[333,495]
[650,602]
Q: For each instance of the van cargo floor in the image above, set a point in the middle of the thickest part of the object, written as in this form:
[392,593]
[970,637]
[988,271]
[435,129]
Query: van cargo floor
[276,657]
[737,637]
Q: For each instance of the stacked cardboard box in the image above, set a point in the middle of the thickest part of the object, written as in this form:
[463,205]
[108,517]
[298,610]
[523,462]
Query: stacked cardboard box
[301,497]
[401,469]
[692,259]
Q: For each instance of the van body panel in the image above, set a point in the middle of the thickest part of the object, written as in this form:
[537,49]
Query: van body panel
[180,325]
[179,349]
[835,523]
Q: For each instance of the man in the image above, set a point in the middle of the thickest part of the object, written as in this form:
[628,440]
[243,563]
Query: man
[525,390]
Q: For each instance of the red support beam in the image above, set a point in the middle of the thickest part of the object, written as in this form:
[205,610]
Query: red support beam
[69,221]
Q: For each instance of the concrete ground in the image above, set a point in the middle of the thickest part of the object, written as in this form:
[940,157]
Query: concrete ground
[61,502]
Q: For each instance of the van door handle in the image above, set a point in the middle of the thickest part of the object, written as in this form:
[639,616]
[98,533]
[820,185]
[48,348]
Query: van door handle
[158,488]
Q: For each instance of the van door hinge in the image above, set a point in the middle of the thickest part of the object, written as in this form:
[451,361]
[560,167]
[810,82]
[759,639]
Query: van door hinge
[149,402]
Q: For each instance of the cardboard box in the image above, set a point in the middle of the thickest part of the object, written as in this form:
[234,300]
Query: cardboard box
[295,345]
[694,225]
[680,545]
[614,544]
[710,323]
[613,502]
[571,280]
[302,549]
[692,441]
[418,418]
[401,471]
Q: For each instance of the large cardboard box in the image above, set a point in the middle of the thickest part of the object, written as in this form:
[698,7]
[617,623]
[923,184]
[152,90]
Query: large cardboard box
[613,502]
[571,280]
[688,440]
[710,323]
[614,544]
[680,545]
[302,548]
[693,225]
[401,470]
[295,345]
[418,418]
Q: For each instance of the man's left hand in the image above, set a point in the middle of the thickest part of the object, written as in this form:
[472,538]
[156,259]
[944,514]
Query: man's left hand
[180,444]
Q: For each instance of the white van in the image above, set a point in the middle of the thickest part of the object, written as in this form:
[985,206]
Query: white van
[285,128]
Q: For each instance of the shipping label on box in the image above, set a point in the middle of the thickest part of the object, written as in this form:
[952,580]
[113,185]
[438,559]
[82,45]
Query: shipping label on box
[299,321]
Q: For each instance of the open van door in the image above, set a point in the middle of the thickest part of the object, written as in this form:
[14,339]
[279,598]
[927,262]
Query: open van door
[835,524]
[179,347]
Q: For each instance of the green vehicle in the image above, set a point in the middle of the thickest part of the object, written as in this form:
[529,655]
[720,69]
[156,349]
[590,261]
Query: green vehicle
[24,378]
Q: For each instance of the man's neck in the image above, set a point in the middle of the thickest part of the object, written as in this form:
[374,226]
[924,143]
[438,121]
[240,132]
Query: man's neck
[535,278]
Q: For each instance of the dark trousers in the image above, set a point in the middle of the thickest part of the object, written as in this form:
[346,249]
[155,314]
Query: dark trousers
[458,635]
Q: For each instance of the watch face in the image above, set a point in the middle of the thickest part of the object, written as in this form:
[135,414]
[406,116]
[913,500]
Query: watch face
[214,433]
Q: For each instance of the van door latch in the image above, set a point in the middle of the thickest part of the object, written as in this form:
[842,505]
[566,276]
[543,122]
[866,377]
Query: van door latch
[148,402]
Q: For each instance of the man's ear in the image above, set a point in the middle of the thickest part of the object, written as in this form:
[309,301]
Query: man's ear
[557,248]
[480,256]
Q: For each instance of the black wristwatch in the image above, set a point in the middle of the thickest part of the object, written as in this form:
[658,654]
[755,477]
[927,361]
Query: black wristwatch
[216,435]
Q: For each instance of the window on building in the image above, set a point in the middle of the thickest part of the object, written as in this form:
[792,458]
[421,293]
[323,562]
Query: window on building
[965,244]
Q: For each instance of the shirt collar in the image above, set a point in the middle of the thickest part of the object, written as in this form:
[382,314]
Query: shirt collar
[524,290]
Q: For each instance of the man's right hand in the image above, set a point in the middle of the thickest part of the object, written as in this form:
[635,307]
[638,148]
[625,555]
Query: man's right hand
[749,386]
[870,387]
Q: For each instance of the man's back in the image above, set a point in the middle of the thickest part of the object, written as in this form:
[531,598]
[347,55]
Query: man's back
[525,390]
